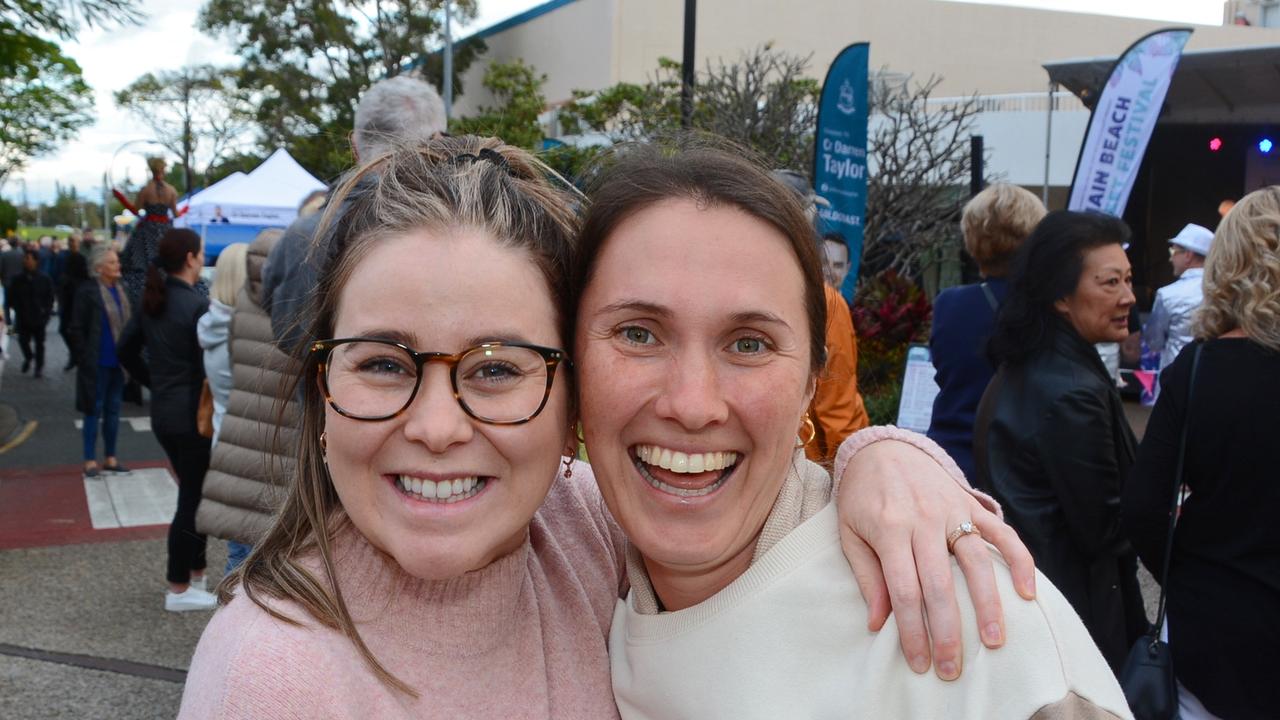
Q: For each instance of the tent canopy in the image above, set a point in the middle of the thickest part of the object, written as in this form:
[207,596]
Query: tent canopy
[268,196]
[229,181]
[1227,86]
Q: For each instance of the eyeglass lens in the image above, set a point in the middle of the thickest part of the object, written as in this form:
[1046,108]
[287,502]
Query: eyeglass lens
[376,380]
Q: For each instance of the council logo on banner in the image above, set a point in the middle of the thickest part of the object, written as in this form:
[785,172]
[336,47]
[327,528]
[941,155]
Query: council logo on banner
[847,104]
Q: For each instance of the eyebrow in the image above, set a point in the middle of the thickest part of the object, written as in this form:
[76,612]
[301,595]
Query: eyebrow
[636,305]
[744,317]
[410,339]
[751,316]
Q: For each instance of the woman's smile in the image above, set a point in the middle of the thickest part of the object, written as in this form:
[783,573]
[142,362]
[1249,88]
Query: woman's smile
[682,474]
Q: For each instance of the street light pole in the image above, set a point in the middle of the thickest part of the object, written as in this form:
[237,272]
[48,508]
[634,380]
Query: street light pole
[448,60]
[686,69]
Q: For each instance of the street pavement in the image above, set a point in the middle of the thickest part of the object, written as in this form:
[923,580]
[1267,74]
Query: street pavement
[83,630]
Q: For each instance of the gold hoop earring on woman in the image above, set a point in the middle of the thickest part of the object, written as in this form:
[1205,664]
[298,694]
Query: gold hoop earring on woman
[808,431]
[324,443]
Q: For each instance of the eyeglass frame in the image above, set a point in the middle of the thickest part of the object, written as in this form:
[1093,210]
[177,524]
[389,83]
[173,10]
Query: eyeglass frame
[552,356]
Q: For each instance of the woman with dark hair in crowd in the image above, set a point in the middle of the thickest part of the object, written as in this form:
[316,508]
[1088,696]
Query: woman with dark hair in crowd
[1224,572]
[75,271]
[1051,441]
[174,371]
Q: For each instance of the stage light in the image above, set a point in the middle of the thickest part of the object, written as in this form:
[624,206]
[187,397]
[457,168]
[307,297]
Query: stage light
[1265,145]
[1215,144]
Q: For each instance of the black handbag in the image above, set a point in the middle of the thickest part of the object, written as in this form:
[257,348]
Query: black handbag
[1147,678]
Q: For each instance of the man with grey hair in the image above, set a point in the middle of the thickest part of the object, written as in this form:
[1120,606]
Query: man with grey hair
[396,111]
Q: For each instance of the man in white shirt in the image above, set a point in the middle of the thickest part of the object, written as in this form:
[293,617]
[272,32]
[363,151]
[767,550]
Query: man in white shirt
[1168,329]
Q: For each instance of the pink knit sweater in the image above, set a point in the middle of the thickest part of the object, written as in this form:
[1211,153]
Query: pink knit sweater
[524,637]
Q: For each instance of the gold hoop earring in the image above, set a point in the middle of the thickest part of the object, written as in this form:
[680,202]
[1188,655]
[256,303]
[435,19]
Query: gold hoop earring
[806,426]
[324,443]
[568,467]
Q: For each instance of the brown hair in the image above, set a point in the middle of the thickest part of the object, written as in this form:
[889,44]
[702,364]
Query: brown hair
[1242,272]
[445,184]
[995,224]
[710,172]
[171,256]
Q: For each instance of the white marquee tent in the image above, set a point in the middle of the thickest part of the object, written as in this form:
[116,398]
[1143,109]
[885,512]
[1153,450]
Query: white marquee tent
[268,196]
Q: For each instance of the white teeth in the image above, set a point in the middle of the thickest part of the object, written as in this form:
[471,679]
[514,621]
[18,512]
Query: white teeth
[696,462]
[679,492]
[680,462]
[446,491]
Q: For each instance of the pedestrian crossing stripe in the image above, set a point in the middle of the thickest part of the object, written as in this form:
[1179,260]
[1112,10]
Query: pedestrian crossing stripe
[139,424]
[145,496]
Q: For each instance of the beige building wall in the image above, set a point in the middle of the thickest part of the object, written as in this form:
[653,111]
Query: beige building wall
[572,45]
[988,49]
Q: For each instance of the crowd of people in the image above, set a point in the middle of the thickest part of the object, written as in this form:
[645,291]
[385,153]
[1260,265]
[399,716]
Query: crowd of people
[382,410]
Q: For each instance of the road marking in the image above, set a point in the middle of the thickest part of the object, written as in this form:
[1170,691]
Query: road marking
[90,662]
[145,496]
[139,424]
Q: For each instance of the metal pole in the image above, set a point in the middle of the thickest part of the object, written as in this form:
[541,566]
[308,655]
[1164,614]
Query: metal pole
[1048,142]
[448,60]
[686,69]
[106,203]
[977,162]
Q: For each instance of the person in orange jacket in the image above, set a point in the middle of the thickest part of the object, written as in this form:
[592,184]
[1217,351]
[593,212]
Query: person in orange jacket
[837,408]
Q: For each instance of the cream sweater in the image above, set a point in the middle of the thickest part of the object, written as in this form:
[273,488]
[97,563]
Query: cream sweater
[788,639]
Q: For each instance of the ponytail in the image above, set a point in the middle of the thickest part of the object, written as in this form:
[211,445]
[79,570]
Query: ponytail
[171,256]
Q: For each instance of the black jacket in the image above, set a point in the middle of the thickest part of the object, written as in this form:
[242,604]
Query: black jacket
[31,297]
[84,338]
[1052,444]
[174,369]
[1224,576]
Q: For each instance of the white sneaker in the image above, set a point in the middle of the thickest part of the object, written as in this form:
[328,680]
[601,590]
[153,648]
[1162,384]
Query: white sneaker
[191,599]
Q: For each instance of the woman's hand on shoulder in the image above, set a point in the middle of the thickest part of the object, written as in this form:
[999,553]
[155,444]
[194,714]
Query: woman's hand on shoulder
[897,505]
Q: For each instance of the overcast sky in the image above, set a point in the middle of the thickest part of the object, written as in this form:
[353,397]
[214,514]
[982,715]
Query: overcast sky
[113,59]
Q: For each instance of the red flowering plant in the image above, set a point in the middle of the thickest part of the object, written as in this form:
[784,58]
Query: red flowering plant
[890,312]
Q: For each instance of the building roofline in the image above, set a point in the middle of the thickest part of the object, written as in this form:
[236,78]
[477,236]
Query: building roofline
[532,13]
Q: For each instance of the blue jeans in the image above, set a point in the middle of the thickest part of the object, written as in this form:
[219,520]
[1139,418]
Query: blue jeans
[236,553]
[106,405]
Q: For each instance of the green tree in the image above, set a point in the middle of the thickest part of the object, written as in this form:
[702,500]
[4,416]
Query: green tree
[44,102]
[239,162]
[8,216]
[762,101]
[310,60]
[198,113]
[64,18]
[517,88]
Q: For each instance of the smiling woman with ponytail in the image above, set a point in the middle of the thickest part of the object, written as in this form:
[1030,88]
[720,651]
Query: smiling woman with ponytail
[174,372]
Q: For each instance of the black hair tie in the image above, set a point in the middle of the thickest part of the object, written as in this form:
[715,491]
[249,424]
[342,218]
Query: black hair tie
[485,155]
